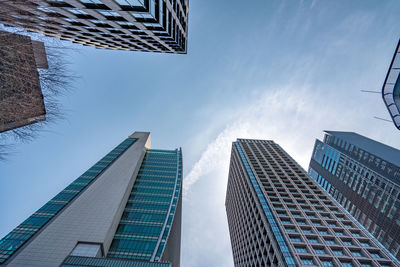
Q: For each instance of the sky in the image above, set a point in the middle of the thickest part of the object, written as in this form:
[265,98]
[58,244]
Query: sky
[284,70]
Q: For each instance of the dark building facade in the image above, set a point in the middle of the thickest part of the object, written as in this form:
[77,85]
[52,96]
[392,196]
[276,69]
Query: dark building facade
[21,98]
[124,211]
[279,216]
[364,177]
[141,25]
[391,88]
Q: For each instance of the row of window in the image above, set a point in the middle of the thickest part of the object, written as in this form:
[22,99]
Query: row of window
[153,191]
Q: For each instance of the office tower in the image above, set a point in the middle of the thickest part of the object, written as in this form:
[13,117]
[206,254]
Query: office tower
[21,99]
[279,216]
[142,25]
[364,177]
[391,88]
[124,211]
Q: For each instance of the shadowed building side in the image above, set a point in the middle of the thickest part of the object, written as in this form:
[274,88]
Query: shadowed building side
[21,98]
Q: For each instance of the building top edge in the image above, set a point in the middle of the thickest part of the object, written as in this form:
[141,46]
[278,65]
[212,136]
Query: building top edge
[381,150]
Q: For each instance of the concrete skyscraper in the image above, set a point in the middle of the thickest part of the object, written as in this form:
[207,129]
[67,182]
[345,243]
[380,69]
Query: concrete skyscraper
[141,25]
[279,216]
[364,177]
[124,211]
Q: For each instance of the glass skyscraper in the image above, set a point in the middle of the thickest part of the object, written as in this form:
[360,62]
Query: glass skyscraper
[364,177]
[123,211]
[279,216]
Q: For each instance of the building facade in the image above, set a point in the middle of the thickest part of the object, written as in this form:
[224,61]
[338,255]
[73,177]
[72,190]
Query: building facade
[124,211]
[279,216]
[364,177]
[391,88]
[21,98]
[141,25]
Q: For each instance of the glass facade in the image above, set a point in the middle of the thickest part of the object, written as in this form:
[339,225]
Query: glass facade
[391,88]
[27,229]
[74,261]
[365,184]
[147,219]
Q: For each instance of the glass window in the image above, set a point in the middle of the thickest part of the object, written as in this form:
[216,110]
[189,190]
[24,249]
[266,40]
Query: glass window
[290,229]
[347,242]
[307,261]
[356,253]
[338,252]
[375,255]
[327,263]
[319,250]
[301,249]
[340,233]
[365,243]
[330,241]
[295,239]
[323,232]
[312,240]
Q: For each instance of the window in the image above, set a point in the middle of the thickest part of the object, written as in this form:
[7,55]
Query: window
[347,242]
[290,229]
[366,265]
[319,251]
[301,249]
[307,262]
[330,241]
[307,230]
[365,243]
[356,253]
[323,232]
[356,234]
[340,233]
[295,239]
[338,252]
[375,255]
[312,240]
[281,213]
[327,263]
[347,264]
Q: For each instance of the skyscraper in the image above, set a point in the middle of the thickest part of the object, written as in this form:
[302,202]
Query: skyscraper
[279,216]
[364,177]
[124,211]
[142,25]
[391,88]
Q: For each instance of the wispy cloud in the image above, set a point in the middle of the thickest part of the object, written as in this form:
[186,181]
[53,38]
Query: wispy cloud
[293,116]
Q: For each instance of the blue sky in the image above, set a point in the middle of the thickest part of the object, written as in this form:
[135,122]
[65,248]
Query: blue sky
[284,70]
